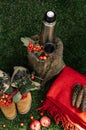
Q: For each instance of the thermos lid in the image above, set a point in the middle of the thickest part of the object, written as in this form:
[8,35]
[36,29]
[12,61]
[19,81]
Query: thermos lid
[50,16]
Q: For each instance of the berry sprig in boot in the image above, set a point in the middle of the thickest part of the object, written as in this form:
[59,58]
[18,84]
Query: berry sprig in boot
[21,81]
[7,106]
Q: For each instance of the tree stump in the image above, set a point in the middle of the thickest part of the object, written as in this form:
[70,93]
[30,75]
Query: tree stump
[50,67]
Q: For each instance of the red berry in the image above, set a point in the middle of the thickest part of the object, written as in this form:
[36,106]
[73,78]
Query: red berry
[44,57]
[42,101]
[30,44]
[21,124]
[31,117]
[34,48]
[33,77]
[41,57]
[35,125]
[41,113]
[45,121]
[4,125]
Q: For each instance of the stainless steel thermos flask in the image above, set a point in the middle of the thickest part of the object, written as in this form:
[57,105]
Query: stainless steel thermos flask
[47,35]
[48,26]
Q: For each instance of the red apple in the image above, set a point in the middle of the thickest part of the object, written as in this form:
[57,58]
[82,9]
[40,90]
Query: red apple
[35,125]
[45,121]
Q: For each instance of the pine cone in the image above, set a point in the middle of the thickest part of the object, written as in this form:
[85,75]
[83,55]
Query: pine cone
[83,103]
[79,97]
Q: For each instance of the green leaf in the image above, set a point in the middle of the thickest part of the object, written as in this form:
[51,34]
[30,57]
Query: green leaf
[26,40]
[35,84]
[17,97]
[9,91]
[24,89]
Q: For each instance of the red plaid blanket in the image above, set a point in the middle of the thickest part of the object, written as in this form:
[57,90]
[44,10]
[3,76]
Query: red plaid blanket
[59,98]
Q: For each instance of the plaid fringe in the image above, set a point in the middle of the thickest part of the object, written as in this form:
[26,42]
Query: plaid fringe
[57,115]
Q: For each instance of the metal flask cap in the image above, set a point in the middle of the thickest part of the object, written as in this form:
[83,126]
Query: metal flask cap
[50,16]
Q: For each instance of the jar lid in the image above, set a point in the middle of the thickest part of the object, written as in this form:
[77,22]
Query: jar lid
[50,16]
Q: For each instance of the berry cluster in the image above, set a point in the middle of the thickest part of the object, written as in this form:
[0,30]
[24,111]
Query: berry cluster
[32,47]
[38,49]
[5,100]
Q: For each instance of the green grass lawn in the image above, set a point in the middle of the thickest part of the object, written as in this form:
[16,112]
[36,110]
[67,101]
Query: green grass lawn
[24,18]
